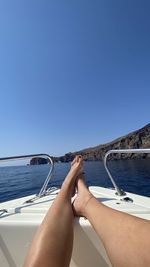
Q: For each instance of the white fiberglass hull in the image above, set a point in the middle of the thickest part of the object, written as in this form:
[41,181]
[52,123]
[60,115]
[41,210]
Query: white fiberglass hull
[19,224]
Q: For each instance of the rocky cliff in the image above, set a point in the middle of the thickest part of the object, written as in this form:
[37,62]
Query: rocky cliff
[136,139]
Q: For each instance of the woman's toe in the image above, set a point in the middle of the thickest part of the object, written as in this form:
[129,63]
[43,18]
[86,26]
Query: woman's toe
[74,161]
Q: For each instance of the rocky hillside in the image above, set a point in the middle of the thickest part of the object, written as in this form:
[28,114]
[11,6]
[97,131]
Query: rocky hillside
[136,139]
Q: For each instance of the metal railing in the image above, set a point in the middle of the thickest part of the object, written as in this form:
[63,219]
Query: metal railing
[119,191]
[43,190]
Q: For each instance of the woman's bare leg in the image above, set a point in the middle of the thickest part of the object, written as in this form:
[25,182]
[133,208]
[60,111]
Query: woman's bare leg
[126,238]
[53,242]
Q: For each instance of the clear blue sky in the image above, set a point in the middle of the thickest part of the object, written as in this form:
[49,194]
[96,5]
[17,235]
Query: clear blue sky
[73,74]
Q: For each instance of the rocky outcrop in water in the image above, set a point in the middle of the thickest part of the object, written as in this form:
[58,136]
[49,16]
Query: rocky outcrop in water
[136,139]
[38,161]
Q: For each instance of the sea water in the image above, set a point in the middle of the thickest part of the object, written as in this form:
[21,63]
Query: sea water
[131,175]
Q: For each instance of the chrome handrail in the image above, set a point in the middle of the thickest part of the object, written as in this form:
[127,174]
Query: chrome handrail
[119,191]
[44,187]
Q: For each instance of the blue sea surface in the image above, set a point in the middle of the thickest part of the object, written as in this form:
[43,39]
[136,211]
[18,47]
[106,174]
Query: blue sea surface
[131,175]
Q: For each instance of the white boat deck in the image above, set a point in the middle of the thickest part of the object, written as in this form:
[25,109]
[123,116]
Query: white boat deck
[19,224]
[139,207]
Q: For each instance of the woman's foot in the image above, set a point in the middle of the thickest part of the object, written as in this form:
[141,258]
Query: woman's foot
[82,198]
[75,170]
